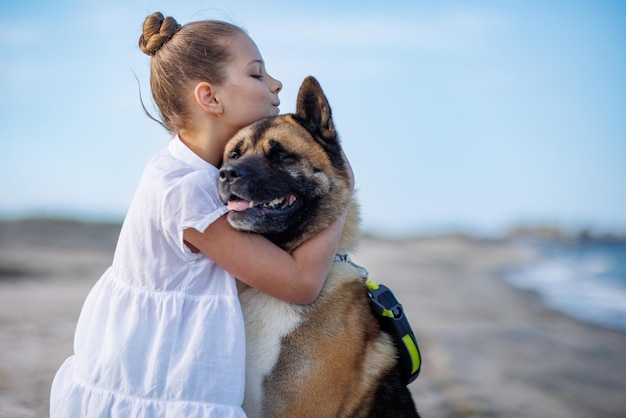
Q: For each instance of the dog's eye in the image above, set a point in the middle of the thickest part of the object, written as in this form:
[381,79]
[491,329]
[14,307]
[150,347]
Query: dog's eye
[280,156]
[234,155]
[277,153]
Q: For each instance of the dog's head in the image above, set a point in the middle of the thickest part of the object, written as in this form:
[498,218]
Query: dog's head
[285,176]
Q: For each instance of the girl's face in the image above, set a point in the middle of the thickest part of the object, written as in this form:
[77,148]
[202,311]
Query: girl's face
[249,93]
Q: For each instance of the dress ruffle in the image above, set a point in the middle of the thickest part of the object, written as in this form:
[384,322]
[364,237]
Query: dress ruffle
[150,353]
[78,400]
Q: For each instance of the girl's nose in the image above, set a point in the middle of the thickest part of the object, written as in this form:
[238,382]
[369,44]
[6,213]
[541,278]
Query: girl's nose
[278,86]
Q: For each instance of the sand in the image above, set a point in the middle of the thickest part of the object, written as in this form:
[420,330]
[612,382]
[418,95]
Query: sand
[489,350]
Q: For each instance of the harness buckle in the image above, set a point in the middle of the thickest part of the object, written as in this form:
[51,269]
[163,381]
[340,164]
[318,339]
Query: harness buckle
[385,306]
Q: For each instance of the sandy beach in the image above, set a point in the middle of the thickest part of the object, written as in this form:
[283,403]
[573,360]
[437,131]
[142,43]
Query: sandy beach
[489,350]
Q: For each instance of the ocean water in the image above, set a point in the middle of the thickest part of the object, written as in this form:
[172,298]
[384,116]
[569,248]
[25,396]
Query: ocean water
[585,279]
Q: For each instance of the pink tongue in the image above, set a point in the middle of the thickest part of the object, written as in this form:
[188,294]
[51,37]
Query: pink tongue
[238,205]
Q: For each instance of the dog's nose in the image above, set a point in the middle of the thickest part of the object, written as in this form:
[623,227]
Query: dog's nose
[228,173]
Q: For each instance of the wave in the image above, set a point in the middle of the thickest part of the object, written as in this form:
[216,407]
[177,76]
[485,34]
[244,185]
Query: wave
[586,280]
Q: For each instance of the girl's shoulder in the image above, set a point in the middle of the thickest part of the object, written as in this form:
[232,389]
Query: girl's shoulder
[176,162]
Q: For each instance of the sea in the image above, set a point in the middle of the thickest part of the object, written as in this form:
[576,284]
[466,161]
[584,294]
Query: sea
[583,278]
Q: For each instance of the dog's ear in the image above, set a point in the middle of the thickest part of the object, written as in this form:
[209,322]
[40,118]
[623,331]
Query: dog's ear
[314,111]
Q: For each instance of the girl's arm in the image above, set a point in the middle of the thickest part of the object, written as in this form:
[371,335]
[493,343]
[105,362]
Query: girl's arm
[295,278]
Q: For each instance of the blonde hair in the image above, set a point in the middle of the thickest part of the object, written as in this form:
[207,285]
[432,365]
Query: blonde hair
[197,51]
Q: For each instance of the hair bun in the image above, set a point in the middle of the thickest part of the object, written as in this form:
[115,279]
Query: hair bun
[157,30]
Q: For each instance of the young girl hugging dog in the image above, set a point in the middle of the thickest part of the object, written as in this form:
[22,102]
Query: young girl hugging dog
[161,333]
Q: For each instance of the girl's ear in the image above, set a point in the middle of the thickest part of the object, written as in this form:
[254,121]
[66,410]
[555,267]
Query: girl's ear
[205,97]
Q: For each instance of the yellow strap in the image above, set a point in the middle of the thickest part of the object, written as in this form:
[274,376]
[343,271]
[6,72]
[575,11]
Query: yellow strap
[415,357]
[388,313]
[371,284]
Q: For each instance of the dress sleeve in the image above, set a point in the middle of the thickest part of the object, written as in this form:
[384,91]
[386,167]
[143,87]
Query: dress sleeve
[192,202]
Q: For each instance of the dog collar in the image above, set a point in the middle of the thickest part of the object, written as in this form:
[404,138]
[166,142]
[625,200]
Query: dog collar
[393,321]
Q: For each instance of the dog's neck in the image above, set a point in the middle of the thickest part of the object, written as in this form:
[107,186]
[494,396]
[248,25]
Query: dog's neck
[349,235]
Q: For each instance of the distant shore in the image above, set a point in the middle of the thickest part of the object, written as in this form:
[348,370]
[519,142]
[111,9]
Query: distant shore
[489,349]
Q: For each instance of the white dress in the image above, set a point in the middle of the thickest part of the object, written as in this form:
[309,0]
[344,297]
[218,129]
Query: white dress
[161,334]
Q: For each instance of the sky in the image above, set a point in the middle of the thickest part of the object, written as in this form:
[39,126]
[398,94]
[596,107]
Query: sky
[457,116]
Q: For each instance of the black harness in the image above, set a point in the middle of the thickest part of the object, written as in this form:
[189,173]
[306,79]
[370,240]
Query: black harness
[393,320]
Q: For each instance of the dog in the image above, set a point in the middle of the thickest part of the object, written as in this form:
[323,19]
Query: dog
[285,177]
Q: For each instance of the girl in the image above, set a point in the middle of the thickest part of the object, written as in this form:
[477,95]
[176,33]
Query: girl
[161,333]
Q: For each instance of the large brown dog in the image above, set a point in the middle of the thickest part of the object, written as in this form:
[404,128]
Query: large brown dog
[285,177]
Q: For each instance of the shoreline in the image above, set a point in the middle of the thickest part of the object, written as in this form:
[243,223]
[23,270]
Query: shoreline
[489,349]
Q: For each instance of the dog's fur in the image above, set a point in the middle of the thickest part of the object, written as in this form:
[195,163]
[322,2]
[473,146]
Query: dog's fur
[331,358]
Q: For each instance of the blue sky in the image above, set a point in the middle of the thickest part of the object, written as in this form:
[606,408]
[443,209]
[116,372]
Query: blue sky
[472,116]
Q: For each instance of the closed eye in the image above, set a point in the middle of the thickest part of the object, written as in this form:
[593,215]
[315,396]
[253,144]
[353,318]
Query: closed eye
[234,154]
[280,156]
[256,68]
[278,153]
